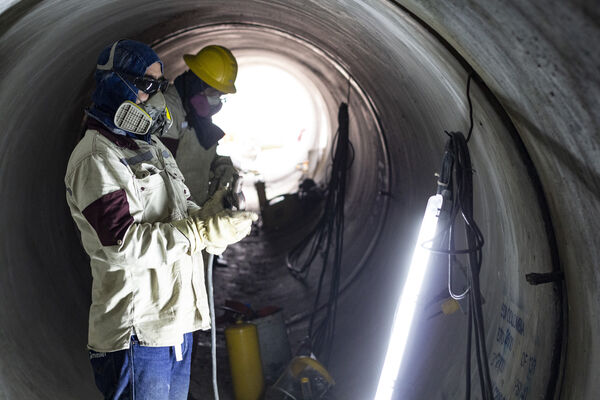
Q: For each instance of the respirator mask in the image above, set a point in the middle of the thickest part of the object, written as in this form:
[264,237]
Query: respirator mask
[213,100]
[151,116]
[205,106]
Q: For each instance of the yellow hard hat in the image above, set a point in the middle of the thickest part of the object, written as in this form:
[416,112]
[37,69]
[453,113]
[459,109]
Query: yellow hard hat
[216,66]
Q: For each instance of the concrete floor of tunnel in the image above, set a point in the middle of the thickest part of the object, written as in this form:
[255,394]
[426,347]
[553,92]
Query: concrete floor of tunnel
[245,273]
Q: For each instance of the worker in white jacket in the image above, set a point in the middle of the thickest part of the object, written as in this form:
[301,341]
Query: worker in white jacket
[141,232]
[193,99]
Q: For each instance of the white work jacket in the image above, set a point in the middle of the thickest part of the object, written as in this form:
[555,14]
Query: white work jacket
[123,194]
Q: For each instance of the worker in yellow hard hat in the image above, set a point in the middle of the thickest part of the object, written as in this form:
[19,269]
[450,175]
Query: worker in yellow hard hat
[193,99]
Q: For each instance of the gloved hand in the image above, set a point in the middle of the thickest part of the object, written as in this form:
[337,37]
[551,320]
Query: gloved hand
[216,232]
[225,228]
[222,174]
[212,206]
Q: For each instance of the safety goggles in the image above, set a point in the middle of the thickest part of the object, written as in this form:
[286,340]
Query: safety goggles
[212,92]
[145,83]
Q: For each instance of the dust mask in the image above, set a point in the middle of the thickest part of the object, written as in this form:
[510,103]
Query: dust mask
[213,100]
[152,116]
[205,106]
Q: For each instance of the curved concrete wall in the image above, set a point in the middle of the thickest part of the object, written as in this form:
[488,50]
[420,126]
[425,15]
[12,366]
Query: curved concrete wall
[535,143]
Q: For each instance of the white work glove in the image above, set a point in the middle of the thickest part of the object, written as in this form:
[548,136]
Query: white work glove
[212,206]
[225,228]
[217,232]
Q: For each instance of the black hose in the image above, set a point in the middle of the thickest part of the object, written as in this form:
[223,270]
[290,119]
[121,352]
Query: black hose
[468,361]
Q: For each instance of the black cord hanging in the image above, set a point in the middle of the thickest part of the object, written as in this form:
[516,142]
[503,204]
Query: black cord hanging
[456,186]
[327,235]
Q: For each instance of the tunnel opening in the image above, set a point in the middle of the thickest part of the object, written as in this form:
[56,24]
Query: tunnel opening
[404,83]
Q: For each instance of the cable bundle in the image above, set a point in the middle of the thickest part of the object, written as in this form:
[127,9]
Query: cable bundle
[327,235]
[456,186]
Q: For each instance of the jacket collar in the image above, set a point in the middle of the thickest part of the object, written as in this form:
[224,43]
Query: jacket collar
[121,141]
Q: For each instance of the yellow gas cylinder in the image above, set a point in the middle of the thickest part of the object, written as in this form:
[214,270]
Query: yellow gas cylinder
[244,361]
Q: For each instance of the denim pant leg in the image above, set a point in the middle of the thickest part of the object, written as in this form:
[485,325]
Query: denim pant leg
[151,371]
[180,370]
[143,373]
[112,372]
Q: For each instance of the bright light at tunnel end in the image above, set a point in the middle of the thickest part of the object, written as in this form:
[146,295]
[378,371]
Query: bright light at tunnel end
[408,301]
[271,120]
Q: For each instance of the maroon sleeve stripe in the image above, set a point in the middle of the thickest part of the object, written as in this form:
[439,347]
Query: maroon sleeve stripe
[109,216]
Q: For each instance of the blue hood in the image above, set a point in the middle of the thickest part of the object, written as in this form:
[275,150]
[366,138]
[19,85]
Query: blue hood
[130,57]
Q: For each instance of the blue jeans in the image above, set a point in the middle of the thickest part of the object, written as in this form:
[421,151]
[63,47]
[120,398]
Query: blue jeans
[143,373]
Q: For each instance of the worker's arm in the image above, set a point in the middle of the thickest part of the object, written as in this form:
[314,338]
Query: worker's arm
[109,211]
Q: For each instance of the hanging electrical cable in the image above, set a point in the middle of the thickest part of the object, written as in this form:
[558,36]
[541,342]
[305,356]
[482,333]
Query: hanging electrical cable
[455,184]
[213,329]
[327,235]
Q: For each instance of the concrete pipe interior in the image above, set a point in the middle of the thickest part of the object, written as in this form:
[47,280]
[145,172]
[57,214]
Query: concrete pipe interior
[535,150]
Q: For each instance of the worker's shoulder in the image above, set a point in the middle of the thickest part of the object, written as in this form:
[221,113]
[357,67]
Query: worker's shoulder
[174,102]
[94,142]
[92,145]
[172,95]
[177,112]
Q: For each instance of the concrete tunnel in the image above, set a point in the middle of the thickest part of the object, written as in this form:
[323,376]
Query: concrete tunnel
[535,150]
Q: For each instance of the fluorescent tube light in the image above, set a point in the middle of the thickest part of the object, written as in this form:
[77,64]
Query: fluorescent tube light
[408,301]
